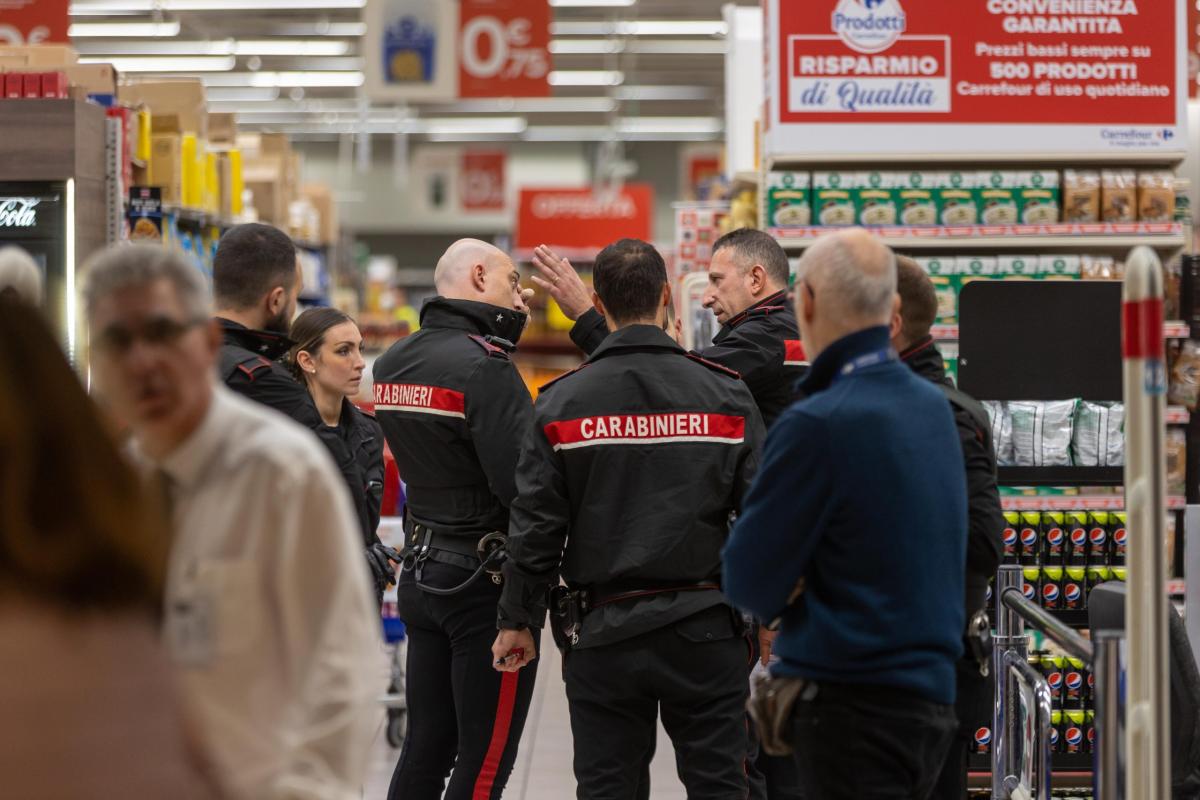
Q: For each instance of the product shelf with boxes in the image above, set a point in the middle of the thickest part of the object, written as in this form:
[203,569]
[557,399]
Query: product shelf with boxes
[1058,236]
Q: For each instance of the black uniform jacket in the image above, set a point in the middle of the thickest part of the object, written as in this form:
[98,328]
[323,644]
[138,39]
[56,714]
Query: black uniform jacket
[454,411]
[985,518]
[357,447]
[249,364]
[762,344]
[628,477]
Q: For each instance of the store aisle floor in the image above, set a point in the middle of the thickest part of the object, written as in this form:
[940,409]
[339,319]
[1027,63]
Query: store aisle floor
[543,768]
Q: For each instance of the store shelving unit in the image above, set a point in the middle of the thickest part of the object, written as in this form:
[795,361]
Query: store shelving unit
[1061,236]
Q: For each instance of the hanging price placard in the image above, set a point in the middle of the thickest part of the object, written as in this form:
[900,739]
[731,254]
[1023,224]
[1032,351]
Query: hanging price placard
[503,48]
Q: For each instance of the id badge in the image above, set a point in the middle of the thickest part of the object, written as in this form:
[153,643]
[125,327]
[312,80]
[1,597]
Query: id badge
[191,630]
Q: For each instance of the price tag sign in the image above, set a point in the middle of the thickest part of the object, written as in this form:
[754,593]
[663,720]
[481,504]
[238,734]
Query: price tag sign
[503,48]
[481,180]
[33,21]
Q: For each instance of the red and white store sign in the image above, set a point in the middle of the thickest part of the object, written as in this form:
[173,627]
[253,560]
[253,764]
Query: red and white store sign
[580,222]
[33,21]
[481,180]
[503,48]
[937,76]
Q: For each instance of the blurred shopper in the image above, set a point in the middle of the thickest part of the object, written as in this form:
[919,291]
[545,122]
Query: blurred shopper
[626,484]
[747,292]
[985,518]
[327,358]
[256,283]
[267,612]
[20,277]
[88,701]
[454,410]
[855,535]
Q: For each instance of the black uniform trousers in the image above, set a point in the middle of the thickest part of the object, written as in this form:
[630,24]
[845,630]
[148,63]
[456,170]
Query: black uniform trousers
[464,718]
[870,743]
[973,707]
[697,672]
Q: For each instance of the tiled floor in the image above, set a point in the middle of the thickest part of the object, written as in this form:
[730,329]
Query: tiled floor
[543,768]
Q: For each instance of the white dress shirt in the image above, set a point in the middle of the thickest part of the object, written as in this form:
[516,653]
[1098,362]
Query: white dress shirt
[268,612]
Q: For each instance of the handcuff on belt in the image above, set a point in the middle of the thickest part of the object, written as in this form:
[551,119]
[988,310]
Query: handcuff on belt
[489,549]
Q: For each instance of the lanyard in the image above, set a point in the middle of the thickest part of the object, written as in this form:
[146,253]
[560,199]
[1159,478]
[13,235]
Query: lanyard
[868,360]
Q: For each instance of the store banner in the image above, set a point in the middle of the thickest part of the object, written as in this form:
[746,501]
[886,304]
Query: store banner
[33,21]
[481,180]
[504,48]
[409,50]
[991,76]
[580,222]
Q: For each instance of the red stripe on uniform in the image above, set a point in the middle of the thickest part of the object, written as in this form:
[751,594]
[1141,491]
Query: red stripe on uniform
[419,398]
[1142,329]
[504,713]
[793,352]
[646,429]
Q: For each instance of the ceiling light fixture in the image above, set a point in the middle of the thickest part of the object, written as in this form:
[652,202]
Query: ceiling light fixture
[228,47]
[667,125]
[663,92]
[241,94]
[528,105]
[116,30]
[586,77]
[286,80]
[645,27]
[592,3]
[166,63]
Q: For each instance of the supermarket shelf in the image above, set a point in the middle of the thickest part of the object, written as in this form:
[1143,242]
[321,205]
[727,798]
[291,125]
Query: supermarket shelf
[1060,476]
[1059,235]
[1177,586]
[1178,415]
[1064,765]
[196,217]
[1102,502]
[1027,160]
[1173,329]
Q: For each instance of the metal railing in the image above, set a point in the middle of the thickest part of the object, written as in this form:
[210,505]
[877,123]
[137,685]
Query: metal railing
[1021,718]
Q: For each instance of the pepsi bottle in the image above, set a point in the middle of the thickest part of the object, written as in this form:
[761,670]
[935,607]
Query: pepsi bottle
[1051,667]
[1074,588]
[1098,539]
[1089,731]
[1077,539]
[1051,589]
[1012,519]
[1028,547]
[982,743]
[1074,685]
[1074,736]
[1056,731]
[1032,580]
[1117,539]
[1054,538]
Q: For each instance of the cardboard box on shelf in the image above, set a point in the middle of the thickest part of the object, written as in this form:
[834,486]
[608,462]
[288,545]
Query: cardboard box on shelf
[321,198]
[274,144]
[222,129]
[93,78]
[166,166]
[40,56]
[269,200]
[183,97]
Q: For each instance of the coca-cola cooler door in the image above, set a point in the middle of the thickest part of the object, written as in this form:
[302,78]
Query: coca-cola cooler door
[32,217]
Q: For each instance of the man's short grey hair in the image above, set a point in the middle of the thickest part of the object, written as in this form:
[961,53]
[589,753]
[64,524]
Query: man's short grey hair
[20,275]
[137,265]
[857,269]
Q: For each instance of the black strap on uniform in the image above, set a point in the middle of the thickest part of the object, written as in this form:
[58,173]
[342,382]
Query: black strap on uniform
[603,594]
[484,555]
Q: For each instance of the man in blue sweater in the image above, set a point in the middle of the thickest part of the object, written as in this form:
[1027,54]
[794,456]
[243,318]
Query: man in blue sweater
[854,537]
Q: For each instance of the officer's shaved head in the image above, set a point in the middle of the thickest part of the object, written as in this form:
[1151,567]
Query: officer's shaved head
[848,284]
[472,269]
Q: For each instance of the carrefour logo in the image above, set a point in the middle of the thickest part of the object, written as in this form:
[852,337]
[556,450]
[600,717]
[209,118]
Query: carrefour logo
[869,26]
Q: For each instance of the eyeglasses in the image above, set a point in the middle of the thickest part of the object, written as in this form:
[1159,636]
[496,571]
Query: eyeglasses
[117,340]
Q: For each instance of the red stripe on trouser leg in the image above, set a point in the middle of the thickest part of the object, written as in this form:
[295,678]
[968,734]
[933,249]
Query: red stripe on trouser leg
[504,714]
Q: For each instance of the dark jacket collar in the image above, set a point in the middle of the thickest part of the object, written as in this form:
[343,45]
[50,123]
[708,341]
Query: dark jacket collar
[771,304]
[924,358]
[643,338]
[840,353]
[265,343]
[479,318]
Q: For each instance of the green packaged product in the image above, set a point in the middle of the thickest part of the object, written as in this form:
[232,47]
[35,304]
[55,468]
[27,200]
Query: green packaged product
[916,198]
[956,201]
[875,198]
[789,199]
[997,197]
[1039,197]
[833,198]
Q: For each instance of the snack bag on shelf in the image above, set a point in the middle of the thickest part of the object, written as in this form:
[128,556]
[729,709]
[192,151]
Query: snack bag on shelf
[1097,268]
[1002,432]
[1176,447]
[789,199]
[1156,196]
[1039,196]
[956,198]
[1118,193]
[1184,387]
[1098,439]
[1041,432]
[875,198]
[997,195]
[1081,195]
[833,198]
[916,198]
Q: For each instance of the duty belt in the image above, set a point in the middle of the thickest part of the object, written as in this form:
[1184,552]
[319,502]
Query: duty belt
[569,606]
[482,555]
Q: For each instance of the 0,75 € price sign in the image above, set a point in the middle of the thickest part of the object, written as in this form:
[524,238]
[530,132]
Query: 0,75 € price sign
[503,48]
